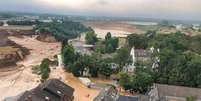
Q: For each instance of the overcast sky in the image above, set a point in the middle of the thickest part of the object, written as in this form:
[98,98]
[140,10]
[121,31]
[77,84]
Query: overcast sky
[171,9]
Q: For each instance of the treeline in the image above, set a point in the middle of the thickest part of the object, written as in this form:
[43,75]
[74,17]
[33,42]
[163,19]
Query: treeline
[179,61]
[109,45]
[85,65]
[62,29]
[25,22]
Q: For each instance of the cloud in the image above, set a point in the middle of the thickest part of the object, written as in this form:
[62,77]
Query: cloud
[185,9]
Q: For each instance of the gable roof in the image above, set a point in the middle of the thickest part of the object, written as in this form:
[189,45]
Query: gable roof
[127,98]
[109,93]
[177,91]
[51,90]
[58,88]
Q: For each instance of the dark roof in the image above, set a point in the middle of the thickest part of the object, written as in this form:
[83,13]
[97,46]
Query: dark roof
[142,53]
[52,90]
[128,98]
[28,95]
[109,93]
[177,91]
[57,87]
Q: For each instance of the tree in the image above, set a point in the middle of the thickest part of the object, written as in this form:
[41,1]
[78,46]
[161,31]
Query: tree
[180,60]
[83,64]
[114,42]
[108,36]
[105,69]
[68,54]
[111,44]
[138,41]
[91,37]
[65,30]
[122,57]
[109,48]
[44,69]
[125,81]
[141,82]
[100,47]
[77,68]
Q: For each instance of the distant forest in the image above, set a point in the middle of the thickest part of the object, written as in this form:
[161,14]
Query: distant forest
[62,29]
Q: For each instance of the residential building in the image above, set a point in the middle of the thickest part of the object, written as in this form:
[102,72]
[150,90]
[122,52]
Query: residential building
[161,92]
[51,90]
[128,98]
[111,94]
[108,94]
[137,55]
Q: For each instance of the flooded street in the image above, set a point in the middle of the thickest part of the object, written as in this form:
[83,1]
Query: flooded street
[21,79]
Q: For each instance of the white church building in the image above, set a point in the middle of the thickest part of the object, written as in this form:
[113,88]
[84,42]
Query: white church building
[137,55]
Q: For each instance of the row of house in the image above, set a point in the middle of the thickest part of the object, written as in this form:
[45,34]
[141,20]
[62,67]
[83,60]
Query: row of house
[159,92]
[162,92]
[181,26]
[56,90]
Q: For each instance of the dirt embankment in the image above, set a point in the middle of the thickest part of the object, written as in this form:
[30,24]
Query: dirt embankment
[11,53]
[46,38]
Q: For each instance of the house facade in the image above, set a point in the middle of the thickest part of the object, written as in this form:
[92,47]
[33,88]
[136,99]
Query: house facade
[137,55]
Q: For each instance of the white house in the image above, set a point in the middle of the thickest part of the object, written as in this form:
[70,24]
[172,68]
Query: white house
[179,26]
[196,26]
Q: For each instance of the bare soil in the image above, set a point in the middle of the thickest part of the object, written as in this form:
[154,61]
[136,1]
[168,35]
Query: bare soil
[117,28]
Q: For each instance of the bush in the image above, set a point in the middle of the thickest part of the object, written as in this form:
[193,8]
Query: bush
[91,38]
[44,69]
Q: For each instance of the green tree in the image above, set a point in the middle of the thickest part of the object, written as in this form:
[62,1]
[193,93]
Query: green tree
[68,54]
[62,31]
[105,69]
[100,47]
[122,57]
[44,69]
[125,81]
[109,48]
[138,41]
[77,68]
[108,36]
[111,44]
[141,82]
[91,37]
